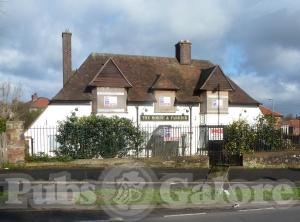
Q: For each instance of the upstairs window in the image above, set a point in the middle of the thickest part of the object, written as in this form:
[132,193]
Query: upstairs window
[215,105]
[164,101]
[111,99]
[215,102]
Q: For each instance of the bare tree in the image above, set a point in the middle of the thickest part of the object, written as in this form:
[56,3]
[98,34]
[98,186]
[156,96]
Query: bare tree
[9,100]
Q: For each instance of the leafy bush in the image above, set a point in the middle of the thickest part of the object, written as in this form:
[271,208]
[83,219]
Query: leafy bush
[43,157]
[268,136]
[239,137]
[2,125]
[94,136]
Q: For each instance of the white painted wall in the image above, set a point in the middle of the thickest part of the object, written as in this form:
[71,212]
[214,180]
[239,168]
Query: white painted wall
[58,112]
[42,132]
[248,113]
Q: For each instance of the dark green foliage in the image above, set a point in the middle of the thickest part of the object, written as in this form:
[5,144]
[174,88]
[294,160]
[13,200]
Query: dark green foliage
[30,116]
[94,136]
[269,137]
[42,157]
[240,137]
[2,125]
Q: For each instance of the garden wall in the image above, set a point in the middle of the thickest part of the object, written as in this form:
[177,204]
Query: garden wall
[272,159]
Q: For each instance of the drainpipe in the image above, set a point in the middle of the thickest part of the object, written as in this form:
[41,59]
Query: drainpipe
[218,104]
[137,116]
[137,125]
[190,107]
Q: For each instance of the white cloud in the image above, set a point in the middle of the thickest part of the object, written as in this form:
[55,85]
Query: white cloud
[11,58]
[262,89]
[286,59]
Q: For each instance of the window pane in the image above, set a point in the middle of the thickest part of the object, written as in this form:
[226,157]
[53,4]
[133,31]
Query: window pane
[110,101]
[165,101]
[217,103]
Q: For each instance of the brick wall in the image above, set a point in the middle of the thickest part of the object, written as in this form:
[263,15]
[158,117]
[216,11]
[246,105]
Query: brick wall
[272,159]
[15,142]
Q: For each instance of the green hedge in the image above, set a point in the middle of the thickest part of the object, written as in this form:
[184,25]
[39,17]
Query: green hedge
[95,136]
[240,137]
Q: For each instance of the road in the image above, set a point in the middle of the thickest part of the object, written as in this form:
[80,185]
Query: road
[79,174]
[291,214]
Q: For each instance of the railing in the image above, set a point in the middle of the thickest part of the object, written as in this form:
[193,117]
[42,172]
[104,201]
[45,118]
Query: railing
[167,140]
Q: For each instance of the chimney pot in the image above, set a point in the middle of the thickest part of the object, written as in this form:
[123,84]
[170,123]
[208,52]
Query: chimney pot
[67,55]
[34,97]
[183,52]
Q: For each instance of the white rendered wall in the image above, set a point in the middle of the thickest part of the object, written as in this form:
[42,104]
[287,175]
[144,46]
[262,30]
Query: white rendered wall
[248,113]
[58,112]
[42,132]
[44,126]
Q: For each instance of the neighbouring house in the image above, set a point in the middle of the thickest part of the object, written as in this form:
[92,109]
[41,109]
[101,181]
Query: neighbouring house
[151,91]
[269,112]
[292,127]
[38,103]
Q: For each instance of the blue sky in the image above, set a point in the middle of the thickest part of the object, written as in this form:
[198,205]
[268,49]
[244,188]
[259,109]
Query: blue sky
[256,42]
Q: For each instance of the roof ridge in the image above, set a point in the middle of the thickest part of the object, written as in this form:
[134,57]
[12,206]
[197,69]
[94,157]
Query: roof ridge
[145,56]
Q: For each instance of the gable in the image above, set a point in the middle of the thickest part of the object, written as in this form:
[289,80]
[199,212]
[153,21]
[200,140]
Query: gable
[214,79]
[163,83]
[110,76]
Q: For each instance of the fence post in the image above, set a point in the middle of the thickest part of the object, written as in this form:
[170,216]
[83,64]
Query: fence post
[15,142]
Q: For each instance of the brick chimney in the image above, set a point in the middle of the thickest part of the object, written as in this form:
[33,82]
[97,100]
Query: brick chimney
[34,97]
[67,55]
[183,52]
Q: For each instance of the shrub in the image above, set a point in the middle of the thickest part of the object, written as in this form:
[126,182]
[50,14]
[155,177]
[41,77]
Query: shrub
[2,125]
[43,157]
[94,136]
[268,136]
[239,137]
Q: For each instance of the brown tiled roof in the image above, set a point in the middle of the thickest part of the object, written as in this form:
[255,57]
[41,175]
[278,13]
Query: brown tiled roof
[110,75]
[267,111]
[163,83]
[141,72]
[214,79]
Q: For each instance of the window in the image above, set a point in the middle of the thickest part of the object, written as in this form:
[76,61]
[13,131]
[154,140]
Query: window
[215,102]
[111,99]
[215,105]
[164,101]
